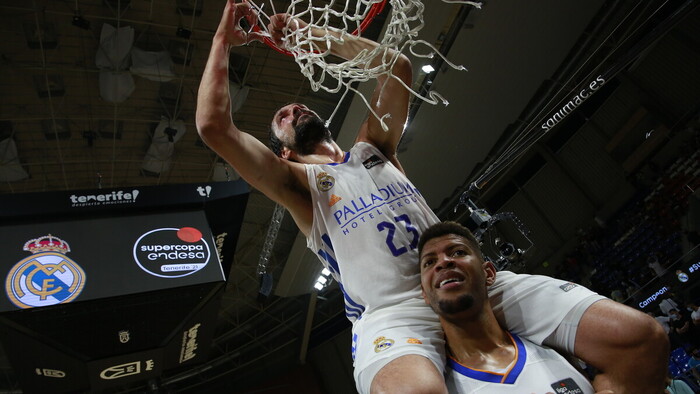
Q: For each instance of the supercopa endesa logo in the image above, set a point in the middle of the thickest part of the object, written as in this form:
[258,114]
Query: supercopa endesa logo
[172,252]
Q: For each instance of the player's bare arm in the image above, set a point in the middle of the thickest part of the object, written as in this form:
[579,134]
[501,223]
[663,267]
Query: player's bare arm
[392,98]
[281,180]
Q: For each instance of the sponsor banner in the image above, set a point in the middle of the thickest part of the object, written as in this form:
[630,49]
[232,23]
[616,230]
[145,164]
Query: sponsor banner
[119,370]
[172,252]
[53,263]
[191,344]
[652,299]
[121,199]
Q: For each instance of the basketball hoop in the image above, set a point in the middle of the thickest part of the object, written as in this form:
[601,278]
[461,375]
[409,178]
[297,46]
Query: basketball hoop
[375,9]
[404,24]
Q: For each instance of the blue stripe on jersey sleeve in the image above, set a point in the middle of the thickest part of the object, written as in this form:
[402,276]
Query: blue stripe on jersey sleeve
[350,300]
[331,262]
[353,310]
[327,240]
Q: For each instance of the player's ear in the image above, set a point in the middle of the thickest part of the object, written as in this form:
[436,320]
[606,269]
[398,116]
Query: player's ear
[285,153]
[490,271]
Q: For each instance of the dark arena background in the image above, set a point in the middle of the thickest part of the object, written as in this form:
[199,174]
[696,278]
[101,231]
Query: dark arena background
[137,261]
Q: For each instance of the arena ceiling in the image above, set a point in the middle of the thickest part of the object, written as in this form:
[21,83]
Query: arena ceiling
[71,133]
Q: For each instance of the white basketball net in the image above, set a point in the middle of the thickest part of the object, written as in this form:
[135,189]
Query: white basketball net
[405,21]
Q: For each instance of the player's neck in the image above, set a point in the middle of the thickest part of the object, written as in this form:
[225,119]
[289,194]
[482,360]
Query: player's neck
[480,343]
[326,152]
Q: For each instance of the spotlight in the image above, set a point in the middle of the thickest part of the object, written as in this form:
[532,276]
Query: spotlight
[79,21]
[323,280]
[428,69]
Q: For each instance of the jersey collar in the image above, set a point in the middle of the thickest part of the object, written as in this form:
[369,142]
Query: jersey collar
[507,377]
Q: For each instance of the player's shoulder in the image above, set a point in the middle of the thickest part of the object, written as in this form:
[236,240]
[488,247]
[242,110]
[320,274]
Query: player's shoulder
[537,352]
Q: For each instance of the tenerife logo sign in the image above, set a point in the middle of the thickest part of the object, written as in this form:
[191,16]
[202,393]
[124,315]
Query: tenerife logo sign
[172,252]
[47,277]
[113,198]
[189,343]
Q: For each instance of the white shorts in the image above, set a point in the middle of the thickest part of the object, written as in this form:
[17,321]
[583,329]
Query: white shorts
[383,335]
[539,308]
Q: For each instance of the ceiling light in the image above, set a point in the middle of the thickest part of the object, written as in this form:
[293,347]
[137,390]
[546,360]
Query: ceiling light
[318,286]
[428,69]
[322,280]
[325,272]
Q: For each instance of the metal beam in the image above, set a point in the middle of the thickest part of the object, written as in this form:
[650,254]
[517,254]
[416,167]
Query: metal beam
[307,327]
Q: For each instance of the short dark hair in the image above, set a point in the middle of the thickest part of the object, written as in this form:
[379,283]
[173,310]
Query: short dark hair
[276,144]
[446,228]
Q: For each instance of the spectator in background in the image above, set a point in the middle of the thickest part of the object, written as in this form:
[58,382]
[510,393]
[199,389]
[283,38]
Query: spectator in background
[630,287]
[677,386]
[695,315]
[666,305]
[655,265]
[684,329]
[663,320]
[694,363]
[618,295]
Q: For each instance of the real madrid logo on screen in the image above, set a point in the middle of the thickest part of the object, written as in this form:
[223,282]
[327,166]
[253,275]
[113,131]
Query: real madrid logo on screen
[47,277]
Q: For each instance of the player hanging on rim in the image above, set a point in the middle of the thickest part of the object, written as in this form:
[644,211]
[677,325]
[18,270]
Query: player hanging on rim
[363,217]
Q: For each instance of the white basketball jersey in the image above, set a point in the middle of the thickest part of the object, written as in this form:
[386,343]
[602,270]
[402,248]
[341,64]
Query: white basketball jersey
[536,369]
[367,221]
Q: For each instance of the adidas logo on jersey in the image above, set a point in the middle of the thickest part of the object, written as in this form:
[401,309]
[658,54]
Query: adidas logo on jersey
[372,161]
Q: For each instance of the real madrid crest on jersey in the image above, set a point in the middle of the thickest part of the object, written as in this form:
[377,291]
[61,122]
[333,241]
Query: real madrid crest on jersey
[47,277]
[324,181]
[381,344]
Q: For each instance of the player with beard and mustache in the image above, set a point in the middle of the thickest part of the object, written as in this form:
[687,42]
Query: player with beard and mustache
[482,356]
[309,132]
[362,216]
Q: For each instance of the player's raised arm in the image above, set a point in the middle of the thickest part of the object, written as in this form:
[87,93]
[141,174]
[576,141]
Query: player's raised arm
[392,98]
[276,178]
